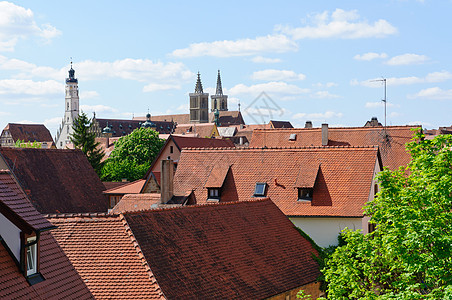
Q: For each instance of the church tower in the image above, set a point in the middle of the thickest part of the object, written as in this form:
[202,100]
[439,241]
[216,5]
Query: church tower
[219,101]
[199,108]
[71,105]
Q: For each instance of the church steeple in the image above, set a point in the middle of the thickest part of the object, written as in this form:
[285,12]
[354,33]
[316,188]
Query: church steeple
[219,90]
[198,87]
[71,77]
[219,101]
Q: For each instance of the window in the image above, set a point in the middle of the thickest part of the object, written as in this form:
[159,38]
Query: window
[32,261]
[171,149]
[259,190]
[305,194]
[375,189]
[371,227]
[214,194]
[292,137]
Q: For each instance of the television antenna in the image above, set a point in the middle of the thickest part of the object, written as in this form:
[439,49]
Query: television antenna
[383,80]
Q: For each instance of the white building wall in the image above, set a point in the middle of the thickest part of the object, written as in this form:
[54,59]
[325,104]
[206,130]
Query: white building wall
[11,234]
[324,231]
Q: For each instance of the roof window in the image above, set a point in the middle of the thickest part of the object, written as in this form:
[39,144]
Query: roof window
[305,194]
[292,137]
[259,190]
[32,257]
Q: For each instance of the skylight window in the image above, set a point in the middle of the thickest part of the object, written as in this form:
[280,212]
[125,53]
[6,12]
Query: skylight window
[259,190]
[292,137]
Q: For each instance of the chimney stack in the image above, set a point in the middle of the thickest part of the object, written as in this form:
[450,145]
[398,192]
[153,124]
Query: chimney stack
[166,181]
[324,134]
[308,124]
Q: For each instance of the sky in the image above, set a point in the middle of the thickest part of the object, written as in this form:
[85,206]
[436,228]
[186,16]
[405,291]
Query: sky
[322,61]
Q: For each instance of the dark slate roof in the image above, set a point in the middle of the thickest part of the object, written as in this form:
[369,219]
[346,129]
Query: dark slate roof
[13,198]
[61,279]
[29,132]
[57,180]
[226,118]
[125,127]
[280,124]
[246,250]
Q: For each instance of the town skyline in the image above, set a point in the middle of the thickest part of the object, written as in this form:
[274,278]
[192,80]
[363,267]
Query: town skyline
[316,61]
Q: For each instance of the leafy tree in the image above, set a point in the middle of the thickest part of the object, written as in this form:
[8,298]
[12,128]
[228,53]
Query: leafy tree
[133,155]
[83,138]
[409,255]
[23,144]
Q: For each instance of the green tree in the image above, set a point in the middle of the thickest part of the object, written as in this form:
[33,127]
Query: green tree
[409,255]
[84,139]
[23,144]
[133,155]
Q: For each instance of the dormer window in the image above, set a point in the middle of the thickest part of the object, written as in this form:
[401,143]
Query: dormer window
[305,194]
[32,256]
[213,194]
[259,190]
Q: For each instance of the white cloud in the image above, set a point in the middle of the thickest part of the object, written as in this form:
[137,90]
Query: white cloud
[407,59]
[30,87]
[370,56]
[277,75]
[423,124]
[393,81]
[17,23]
[325,85]
[378,104]
[265,60]
[324,95]
[152,87]
[434,93]
[318,116]
[97,108]
[271,88]
[340,24]
[88,94]
[243,47]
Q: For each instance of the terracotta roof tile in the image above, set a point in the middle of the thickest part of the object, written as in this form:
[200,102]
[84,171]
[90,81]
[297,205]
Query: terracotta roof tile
[190,142]
[61,280]
[203,130]
[29,132]
[128,188]
[57,180]
[114,184]
[136,202]
[246,250]
[392,148]
[12,196]
[342,188]
[102,251]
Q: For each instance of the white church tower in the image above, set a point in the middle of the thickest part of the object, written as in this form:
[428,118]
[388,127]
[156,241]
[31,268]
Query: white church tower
[71,106]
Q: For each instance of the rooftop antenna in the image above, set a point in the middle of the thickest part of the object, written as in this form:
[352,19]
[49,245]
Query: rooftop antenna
[384,100]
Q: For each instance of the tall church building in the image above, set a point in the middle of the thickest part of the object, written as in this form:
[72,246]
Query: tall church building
[219,101]
[71,111]
[199,106]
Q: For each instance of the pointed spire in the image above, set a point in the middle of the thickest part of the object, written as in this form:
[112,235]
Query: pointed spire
[219,88]
[198,88]
[71,77]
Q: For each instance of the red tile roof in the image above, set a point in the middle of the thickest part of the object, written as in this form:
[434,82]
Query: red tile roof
[203,130]
[13,197]
[61,280]
[246,250]
[342,186]
[104,253]
[114,184]
[191,142]
[29,132]
[57,180]
[136,202]
[392,148]
[129,188]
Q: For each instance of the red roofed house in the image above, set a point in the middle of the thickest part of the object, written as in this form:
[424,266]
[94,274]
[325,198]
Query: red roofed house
[26,133]
[56,180]
[192,252]
[32,265]
[391,139]
[321,189]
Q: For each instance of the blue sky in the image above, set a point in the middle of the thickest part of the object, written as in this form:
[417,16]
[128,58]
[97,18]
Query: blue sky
[315,59]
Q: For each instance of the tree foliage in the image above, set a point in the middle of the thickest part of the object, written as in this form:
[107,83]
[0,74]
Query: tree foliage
[84,139]
[409,255]
[23,144]
[133,155]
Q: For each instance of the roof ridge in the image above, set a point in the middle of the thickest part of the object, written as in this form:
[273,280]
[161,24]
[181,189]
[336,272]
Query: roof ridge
[352,127]
[79,215]
[282,148]
[195,206]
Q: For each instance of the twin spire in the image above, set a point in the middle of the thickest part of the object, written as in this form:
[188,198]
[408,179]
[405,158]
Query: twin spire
[199,90]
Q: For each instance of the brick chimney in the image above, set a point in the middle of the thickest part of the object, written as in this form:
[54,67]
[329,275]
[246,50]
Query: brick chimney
[308,124]
[166,180]
[324,134]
